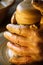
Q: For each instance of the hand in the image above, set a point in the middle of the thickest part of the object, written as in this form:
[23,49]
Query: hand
[23,40]
[13,18]
[38,4]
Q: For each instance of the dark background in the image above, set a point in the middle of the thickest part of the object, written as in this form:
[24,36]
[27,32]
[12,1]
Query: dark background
[9,15]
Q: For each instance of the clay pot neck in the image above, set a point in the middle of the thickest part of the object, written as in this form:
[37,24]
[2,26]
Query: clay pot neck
[28,0]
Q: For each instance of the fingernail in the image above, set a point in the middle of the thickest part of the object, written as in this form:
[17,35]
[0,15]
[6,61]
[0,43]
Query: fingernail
[8,25]
[7,33]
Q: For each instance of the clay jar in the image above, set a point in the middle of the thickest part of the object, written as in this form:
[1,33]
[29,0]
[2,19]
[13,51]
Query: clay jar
[26,13]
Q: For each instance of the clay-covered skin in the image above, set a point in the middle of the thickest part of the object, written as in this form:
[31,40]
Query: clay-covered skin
[20,60]
[22,46]
[21,29]
[29,46]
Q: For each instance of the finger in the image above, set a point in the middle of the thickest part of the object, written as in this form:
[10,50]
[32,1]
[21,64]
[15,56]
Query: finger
[15,49]
[22,41]
[24,59]
[13,19]
[20,60]
[22,30]
[11,53]
[16,39]
[21,51]
[18,29]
